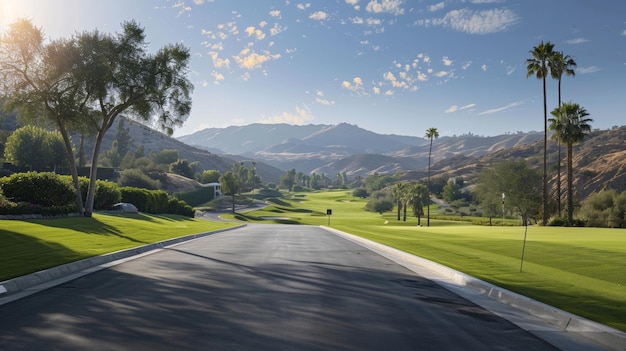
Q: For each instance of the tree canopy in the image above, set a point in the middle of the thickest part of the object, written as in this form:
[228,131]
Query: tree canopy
[91,78]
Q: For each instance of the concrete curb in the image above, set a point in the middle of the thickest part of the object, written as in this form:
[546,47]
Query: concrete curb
[606,336]
[20,284]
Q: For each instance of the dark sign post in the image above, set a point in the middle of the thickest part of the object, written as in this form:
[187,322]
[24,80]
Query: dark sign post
[328,213]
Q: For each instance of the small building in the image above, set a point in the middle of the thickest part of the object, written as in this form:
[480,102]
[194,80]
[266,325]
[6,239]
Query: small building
[217,188]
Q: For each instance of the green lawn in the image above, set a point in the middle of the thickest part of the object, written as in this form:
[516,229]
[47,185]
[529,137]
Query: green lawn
[580,270]
[33,245]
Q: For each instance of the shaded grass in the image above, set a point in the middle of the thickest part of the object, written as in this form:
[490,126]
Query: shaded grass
[580,270]
[32,245]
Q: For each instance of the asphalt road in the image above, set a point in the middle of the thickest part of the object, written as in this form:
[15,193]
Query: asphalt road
[262,287]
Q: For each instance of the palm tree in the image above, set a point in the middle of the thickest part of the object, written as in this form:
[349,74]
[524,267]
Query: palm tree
[431,133]
[398,190]
[559,65]
[570,125]
[417,199]
[538,66]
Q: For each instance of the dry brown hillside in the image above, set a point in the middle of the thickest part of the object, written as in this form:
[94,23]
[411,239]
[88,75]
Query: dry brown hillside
[599,162]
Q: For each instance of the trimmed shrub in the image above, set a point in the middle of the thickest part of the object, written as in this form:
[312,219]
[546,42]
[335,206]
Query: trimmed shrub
[107,195]
[136,178]
[360,192]
[44,189]
[197,197]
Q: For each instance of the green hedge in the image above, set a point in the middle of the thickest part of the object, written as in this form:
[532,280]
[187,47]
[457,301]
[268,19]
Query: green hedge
[198,196]
[155,201]
[44,189]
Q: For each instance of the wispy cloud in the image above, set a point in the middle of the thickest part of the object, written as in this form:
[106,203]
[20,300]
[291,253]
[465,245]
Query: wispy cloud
[500,109]
[319,16]
[475,22]
[386,6]
[455,108]
[437,7]
[587,70]
[320,99]
[302,115]
[576,41]
[355,85]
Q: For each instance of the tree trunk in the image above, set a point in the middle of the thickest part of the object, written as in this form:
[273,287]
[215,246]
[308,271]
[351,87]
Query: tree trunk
[399,208]
[404,206]
[545,155]
[570,186]
[91,193]
[72,163]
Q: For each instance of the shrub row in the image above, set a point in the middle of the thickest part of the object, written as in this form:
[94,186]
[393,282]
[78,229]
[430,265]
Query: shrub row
[50,194]
[198,196]
[155,201]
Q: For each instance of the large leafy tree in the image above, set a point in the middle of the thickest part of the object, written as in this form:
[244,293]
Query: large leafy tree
[119,76]
[35,147]
[37,80]
[431,133]
[570,125]
[539,66]
[90,79]
[560,65]
[521,184]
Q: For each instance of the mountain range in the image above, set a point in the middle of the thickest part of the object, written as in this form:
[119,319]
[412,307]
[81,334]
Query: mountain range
[599,162]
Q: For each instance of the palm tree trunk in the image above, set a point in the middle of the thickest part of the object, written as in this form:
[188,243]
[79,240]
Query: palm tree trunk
[570,186]
[430,150]
[558,182]
[545,155]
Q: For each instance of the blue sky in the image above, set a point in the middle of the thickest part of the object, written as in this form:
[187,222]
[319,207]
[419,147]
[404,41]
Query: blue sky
[389,66]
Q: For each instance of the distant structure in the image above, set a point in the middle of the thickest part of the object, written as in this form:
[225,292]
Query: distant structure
[217,188]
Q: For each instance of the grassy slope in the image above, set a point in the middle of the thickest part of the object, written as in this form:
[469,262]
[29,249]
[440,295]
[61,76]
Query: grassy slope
[580,270]
[33,245]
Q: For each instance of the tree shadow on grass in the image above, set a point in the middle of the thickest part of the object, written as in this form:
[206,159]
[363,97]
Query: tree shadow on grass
[23,254]
[88,225]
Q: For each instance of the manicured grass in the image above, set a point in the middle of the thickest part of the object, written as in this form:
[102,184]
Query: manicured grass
[33,245]
[580,270]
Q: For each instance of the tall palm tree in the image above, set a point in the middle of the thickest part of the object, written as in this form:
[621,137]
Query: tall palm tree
[570,125]
[538,66]
[559,65]
[431,133]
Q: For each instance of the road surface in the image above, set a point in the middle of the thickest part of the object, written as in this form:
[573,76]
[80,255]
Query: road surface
[261,287]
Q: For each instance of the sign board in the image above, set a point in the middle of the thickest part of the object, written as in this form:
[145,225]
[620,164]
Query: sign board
[329,211]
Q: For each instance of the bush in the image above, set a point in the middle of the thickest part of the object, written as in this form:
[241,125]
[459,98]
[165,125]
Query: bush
[44,189]
[197,197]
[136,178]
[360,192]
[179,207]
[107,195]
[151,201]
[379,205]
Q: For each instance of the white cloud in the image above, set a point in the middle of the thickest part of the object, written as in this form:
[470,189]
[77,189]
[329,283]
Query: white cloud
[182,8]
[319,98]
[302,115]
[484,68]
[218,77]
[355,85]
[466,65]
[219,62]
[500,109]
[451,109]
[251,60]
[576,41]
[587,70]
[446,61]
[386,6]
[624,32]
[475,22]
[468,106]
[276,29]
[303,6]
[441,74]
[437,7]
[422,77]
[275,13]
[318,16]
[256,32]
